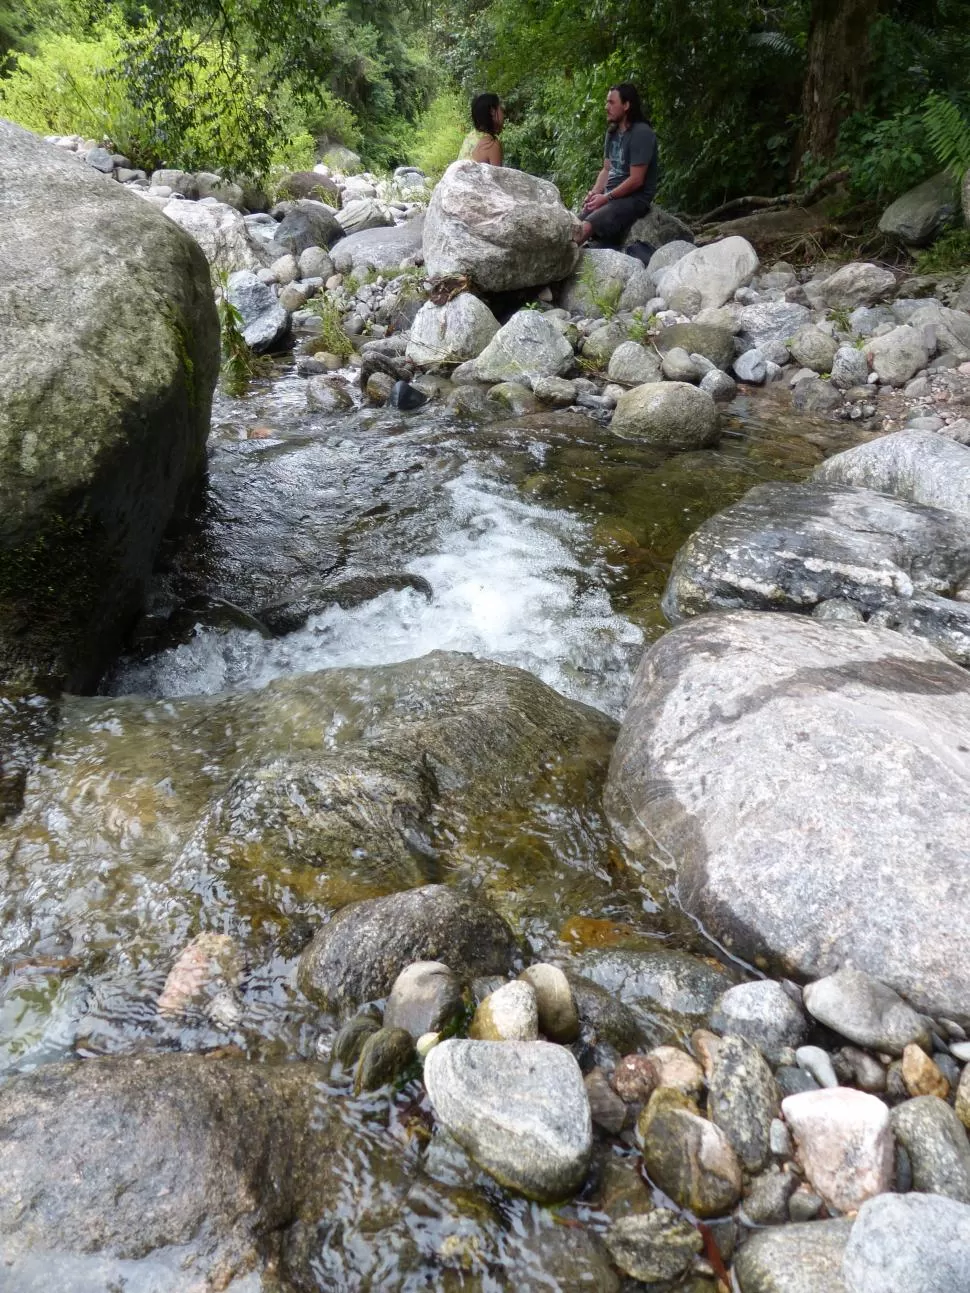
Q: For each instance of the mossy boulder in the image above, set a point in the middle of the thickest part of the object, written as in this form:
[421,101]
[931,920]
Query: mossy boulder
[109,352]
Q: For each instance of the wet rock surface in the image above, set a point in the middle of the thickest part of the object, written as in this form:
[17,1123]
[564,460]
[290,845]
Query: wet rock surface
[795,1259]
[837,837]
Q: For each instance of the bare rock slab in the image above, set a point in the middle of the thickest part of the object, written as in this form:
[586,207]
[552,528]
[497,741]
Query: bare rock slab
[519,1109]
[810,781]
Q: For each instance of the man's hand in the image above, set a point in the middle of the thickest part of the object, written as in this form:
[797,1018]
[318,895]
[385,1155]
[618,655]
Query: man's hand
[595,200]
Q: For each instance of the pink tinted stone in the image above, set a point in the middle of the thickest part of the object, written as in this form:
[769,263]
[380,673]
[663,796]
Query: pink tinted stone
[844,1142]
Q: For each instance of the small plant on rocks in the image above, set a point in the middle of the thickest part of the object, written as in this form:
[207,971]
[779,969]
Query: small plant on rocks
[332,334]
[605,298]
[238,361]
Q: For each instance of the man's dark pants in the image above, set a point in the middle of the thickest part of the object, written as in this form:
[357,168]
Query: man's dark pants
[611,221]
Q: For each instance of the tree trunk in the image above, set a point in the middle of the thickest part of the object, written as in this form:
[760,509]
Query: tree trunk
[838,50]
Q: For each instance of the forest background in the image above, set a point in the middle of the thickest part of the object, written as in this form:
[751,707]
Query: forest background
[746,98]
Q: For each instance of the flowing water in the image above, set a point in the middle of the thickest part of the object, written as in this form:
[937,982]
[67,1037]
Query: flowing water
[325,541]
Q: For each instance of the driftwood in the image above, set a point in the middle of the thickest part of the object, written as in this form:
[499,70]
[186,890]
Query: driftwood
[776,203]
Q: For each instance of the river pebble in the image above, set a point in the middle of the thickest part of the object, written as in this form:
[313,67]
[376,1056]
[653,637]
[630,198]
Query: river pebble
[794,1259]
[817,1062]
[558,1016]
[519,1109]
[424,998]
[607,1109]
[921,1075]
[936,1141]
[509,1014]
[865,1011]
[913,1243]
[845,1144]
[688,1157]
[743,1099]
[654,1246]
[762,1012]
[383,1058]
[676,1069]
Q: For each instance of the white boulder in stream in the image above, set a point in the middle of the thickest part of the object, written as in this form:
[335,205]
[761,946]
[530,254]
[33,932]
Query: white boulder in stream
[526,348]
[450,333]
[520,1110]
[715,271]
[915,465]
[501,228]
[220,231]
[809,783]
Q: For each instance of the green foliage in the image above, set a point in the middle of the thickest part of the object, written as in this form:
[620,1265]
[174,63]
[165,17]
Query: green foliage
[439,134]
[885,157]
[332,334]
[238,361]
[949,254]
[605,296]
[839,315]
[948,131]
[639,328]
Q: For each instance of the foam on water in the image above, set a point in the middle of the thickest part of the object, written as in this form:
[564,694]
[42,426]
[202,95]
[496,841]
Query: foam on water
[513,582]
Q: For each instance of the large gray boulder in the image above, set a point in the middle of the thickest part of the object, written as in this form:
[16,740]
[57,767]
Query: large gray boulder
[451,333]
[180,1162]
[307,224]
[715,271]
[659,227]
[364,213]
[675,415]
[380,249]
[221,232]
[520,1110]
[915,465]
[808,783]
[772,321]
[607,278]
[109,352]
[858,283]
[909,1243]
[792,546]
[501,228]
[950,328]
[898,355]
[526,348]
[923,212]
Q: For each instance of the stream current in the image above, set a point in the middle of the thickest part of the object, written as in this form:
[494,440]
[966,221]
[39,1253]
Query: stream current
[355,540]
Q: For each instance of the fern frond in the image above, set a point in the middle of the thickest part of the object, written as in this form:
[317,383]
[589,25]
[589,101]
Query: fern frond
[776,41]
[948,132]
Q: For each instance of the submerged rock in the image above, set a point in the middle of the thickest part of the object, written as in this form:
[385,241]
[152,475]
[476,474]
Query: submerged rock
[674,415]
[814,852]
[518,1108]
[358,956]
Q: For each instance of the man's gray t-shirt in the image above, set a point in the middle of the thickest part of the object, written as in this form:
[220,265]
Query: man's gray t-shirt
[634,147]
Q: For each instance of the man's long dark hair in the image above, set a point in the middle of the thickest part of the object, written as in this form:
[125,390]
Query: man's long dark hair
[630,95]
[482,106]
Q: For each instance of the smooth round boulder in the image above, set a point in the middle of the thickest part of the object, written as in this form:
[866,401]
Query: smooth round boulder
[859,1007]
[558,1016]
[673,415]
[518,1108]
[508,1014]
[764,1013]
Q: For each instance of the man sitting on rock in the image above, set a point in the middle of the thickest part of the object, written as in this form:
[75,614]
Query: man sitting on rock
[625,187]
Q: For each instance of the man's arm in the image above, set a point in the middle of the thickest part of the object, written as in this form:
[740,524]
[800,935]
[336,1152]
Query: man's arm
[632,184]
[599,184]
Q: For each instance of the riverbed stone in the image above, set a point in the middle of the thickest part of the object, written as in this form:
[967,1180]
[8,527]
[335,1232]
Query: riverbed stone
[451,333]
[850,368]
[897,356]
[688,1157]
[936,1141]
[859,1007]
[922,212]
[715,271]
[720,386]
[606,1108]
[210,967]
[794,1259]
[425,996]
[633,364]
[509,1014]
[518,1108]
[606,278]
[766,1199]
[921,1075]
[221,232]
[378,249]
[605,1020]
[307,224]
[526,348]
[950,328]
[265,323]
[558,1016]
[714,342]
[677,1071]
[812,348]
[860,848]
[909,1243]
[743,1099]
[653,1246]
[360,953]
[502,228]
[674,415]
[962,1104]
[764,1013]
[109,353]
[858,283]
[384,1056]
[771,321]
[790,546]
[750,367]
[845,1144]
[919,466]
[599,346]
[636,1077]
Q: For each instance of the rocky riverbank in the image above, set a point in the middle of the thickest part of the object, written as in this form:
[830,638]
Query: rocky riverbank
[423,974]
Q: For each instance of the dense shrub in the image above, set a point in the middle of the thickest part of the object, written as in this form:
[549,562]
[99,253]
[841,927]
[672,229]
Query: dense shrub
[439,133]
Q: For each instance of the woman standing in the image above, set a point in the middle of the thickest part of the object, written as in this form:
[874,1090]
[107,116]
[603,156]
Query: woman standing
[482,144]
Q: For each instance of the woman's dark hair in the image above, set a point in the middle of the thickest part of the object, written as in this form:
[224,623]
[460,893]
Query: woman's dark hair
[630,95]
[482,106]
